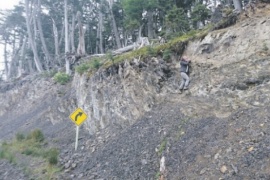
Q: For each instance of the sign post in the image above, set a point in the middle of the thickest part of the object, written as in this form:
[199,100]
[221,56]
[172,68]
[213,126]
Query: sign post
[78,117]
[77,137]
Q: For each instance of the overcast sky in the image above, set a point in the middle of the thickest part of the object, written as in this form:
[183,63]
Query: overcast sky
[5,4]
[8,4]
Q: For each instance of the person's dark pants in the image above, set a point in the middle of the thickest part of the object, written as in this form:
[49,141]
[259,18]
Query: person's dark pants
[185,81]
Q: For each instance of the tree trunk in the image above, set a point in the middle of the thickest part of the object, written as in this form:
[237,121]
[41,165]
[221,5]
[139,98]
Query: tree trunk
[140,31]
[11,72]
[56,42]
[31,40]
[97,40]
[150,24]
[237,5]
[89,44]
[45,49]
[72,39]
[115,29]
[66,40]
[5,58]
[22,55]
[81,45]
[125,49]
[100,30]
[229,2]
[14,58]
[214,5]
[62,35]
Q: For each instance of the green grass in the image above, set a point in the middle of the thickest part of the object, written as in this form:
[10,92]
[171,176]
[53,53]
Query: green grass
[157,176]
[167,54]
[93,64]
[162,147]
[61,78]
[6,154]
[181,130]
[33,146]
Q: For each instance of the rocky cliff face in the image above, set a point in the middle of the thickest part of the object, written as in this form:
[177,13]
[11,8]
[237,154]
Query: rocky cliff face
[124,92]
[230,65]
[230,72]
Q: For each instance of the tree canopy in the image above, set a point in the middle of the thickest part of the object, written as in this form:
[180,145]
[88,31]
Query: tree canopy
[35,33]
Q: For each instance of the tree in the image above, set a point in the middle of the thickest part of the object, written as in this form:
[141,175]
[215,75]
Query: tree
[66,39]
[139,13]
[31,39]
[99,43]
[177,21]
[115,29]
[40,29]
[12,36]
[81,45]
[200,13]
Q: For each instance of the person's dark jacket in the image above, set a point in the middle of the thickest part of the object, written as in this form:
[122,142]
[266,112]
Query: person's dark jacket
[184,66]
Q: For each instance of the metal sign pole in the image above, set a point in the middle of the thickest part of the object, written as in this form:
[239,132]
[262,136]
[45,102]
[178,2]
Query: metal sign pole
[77,136]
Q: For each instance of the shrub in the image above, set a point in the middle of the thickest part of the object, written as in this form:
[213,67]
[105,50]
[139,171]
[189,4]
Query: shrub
[37,135]
[110,56]
[96,63]
[61,78]
[93,64]
[151,51]
[167,54]
[82,68]
[2,154]
[20,137]
[52,156]
[27,151]
[6,154]
[4,143]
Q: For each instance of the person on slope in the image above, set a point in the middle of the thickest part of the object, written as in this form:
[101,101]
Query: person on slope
[184,63]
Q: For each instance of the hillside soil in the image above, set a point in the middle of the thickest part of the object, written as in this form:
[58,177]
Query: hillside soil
[218,129]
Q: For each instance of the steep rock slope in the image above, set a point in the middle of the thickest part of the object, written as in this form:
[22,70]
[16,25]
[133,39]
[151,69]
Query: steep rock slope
[217,129]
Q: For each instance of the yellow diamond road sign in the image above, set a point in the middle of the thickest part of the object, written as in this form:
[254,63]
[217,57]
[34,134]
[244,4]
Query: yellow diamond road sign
[78,116]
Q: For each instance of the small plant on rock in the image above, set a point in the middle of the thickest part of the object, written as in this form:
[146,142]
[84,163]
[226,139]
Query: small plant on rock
[96,63]
[110,56]
[6,154]
[82,68]
[162,147]
[20,137]
[36,135]
[265,48]
[61,78]
[151,51]
[52,156]
[167,54]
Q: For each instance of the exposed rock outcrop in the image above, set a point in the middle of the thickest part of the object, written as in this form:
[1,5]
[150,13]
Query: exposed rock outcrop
[136,116]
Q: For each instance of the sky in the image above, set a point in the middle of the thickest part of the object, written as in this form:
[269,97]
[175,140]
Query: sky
[8,4]
[5,4]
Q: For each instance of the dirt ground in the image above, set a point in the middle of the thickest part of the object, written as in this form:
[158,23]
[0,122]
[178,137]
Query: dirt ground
[219,129]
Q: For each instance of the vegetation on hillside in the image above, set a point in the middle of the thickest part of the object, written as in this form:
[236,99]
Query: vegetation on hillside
[40,41]
[32,147]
